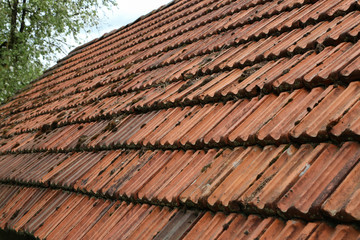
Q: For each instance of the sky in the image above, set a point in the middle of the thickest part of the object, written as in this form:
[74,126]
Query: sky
[126,11]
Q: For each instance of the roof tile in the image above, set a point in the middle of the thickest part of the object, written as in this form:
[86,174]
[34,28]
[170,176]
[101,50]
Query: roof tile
[222,107]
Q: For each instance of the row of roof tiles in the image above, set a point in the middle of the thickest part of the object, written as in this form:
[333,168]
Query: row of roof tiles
[54,214]
[196,13]
[287,74]
[194,22]
[132,32]
[114,43]
[245,16]
[237,35]
[246,81]
[299,116]
[264,180]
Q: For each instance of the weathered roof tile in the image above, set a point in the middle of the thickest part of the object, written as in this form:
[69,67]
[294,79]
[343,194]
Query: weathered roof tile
[203,119]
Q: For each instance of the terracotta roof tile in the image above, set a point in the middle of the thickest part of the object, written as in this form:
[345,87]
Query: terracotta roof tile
[209,226]
[149,221]
[323,175]
[203,119]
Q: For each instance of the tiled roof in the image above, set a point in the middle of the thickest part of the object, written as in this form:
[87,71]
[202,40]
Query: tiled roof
[204,119]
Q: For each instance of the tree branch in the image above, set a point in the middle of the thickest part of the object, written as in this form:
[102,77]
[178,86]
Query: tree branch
[22,25]
[13,24]
[75,14]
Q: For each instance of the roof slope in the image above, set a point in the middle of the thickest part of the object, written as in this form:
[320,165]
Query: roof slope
[204,119]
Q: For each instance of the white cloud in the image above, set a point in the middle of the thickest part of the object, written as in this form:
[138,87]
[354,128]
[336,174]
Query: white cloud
[134,8]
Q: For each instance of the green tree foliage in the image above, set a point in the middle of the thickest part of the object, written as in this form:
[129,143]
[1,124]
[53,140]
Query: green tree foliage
[32,32]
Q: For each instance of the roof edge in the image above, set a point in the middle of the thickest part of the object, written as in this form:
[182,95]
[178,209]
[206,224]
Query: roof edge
[78,49]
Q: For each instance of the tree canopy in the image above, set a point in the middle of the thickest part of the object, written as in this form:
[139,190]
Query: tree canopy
[32,32]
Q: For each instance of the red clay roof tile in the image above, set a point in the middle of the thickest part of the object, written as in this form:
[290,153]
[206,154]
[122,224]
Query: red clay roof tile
[225,107]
